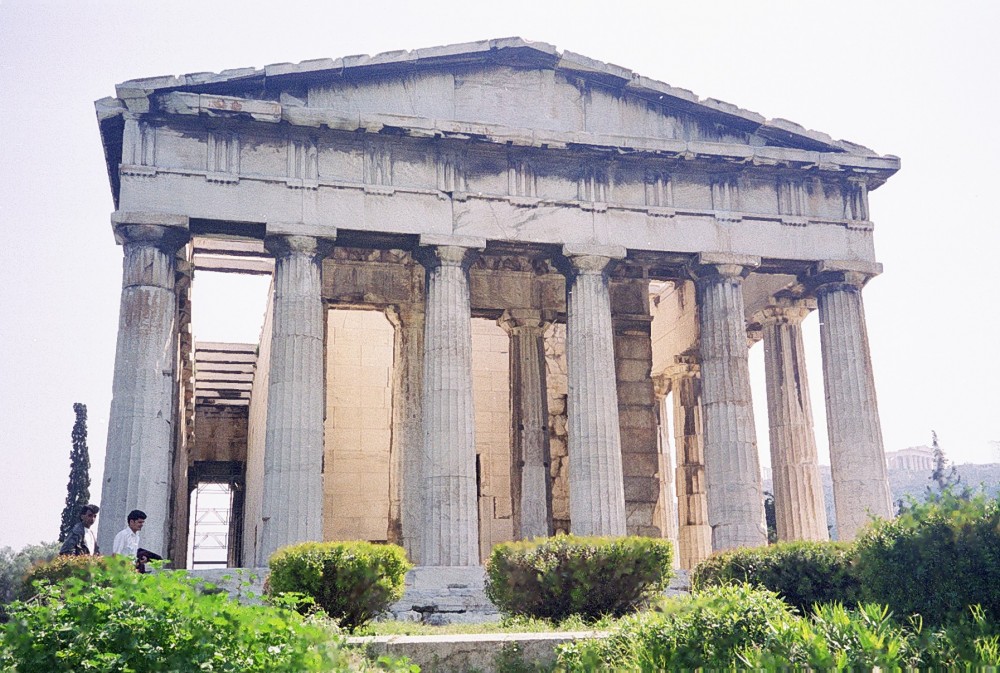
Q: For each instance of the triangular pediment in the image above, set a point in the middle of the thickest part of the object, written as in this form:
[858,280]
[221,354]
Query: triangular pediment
[507,83]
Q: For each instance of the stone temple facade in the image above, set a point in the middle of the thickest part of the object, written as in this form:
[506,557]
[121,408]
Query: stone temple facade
[497,270]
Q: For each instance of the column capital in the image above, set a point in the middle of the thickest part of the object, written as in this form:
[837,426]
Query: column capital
[828,276]
[686,365]
[517,320]
[286,245]
[662,384]
[436,250]
[164,231]
[785,310]
[591,259]
[714,265]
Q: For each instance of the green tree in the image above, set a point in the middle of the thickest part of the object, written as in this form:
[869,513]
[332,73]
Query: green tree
[78,488]
[14,566]
[945,474]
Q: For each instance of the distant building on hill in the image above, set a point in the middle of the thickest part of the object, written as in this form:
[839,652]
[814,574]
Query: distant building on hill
[913,459]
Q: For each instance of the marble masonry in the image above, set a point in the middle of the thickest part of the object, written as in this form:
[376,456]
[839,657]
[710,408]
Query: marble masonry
[497,271]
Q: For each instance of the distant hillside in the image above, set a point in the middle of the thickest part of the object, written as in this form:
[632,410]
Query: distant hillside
[914,484]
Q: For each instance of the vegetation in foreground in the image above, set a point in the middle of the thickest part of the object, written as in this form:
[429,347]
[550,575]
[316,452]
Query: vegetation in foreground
[106,617]
[741,627]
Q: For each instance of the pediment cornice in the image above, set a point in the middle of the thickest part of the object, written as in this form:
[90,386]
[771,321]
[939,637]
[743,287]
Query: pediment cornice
[134,95]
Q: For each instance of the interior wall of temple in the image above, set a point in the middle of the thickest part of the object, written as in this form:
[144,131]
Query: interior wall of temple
[556,383]
[675,322]
[491,402]
[256,429]
[358,426]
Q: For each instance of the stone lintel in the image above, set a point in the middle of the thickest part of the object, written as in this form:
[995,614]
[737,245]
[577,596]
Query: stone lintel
[445,240]
[299,229]
[593,250]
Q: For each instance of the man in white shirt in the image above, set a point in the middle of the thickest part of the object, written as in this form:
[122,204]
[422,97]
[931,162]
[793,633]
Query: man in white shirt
[127,541]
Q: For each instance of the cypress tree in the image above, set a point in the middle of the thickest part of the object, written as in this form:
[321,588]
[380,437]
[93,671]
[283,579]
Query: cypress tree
[78,488]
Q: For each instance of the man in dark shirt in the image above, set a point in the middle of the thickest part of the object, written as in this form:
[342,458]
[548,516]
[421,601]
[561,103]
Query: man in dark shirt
[81,538]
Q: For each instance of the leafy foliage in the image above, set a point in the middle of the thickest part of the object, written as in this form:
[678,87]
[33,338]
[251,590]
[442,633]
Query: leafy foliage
[78,488]
[802,573]
[118,620]
[936,559]
[553,578]
[353,582]
[706,630]
[15,565]
[736,627]
[58,569]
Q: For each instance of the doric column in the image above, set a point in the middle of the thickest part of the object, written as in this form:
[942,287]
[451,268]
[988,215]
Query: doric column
[857,457]
[596,486]
[407,423]
[732,468]
[694,535]
[798,491]
[292,505]
[137,465]
[667,509]
[531,489]
[450,528]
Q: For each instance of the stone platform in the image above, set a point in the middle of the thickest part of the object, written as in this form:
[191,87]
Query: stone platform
[432,595]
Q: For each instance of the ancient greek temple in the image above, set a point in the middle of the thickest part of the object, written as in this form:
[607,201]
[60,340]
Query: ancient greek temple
[513,291]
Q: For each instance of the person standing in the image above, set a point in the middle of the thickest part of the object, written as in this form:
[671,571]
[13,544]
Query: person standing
[127,540]
[81,539]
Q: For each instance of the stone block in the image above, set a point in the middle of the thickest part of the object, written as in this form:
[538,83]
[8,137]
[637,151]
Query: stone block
[632,370]
[640,464]
[642,489]
[636,393]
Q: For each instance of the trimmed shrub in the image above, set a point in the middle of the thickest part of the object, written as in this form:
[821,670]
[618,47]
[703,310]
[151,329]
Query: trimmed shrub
[936,559]
[593,577]
[119,620]
[353,582]
[802,573]
[706,630]
[59,569]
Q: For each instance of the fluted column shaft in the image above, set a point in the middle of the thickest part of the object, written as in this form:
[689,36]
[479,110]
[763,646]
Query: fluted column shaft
[137,465]
[292,506]
[798,490]
[668,501]
[531,488]
[694,535]
[732,468]
[450,531]
[596,486]
[857,457]
[407,434]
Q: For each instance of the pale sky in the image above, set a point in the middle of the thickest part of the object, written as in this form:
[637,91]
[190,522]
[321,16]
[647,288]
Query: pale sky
[909,78]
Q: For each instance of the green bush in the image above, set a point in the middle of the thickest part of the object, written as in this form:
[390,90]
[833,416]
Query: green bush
[58,569]
[835,638]
[802,573]
[936,559]
[553,578]
[116,619]
[706,630]
[353,582]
